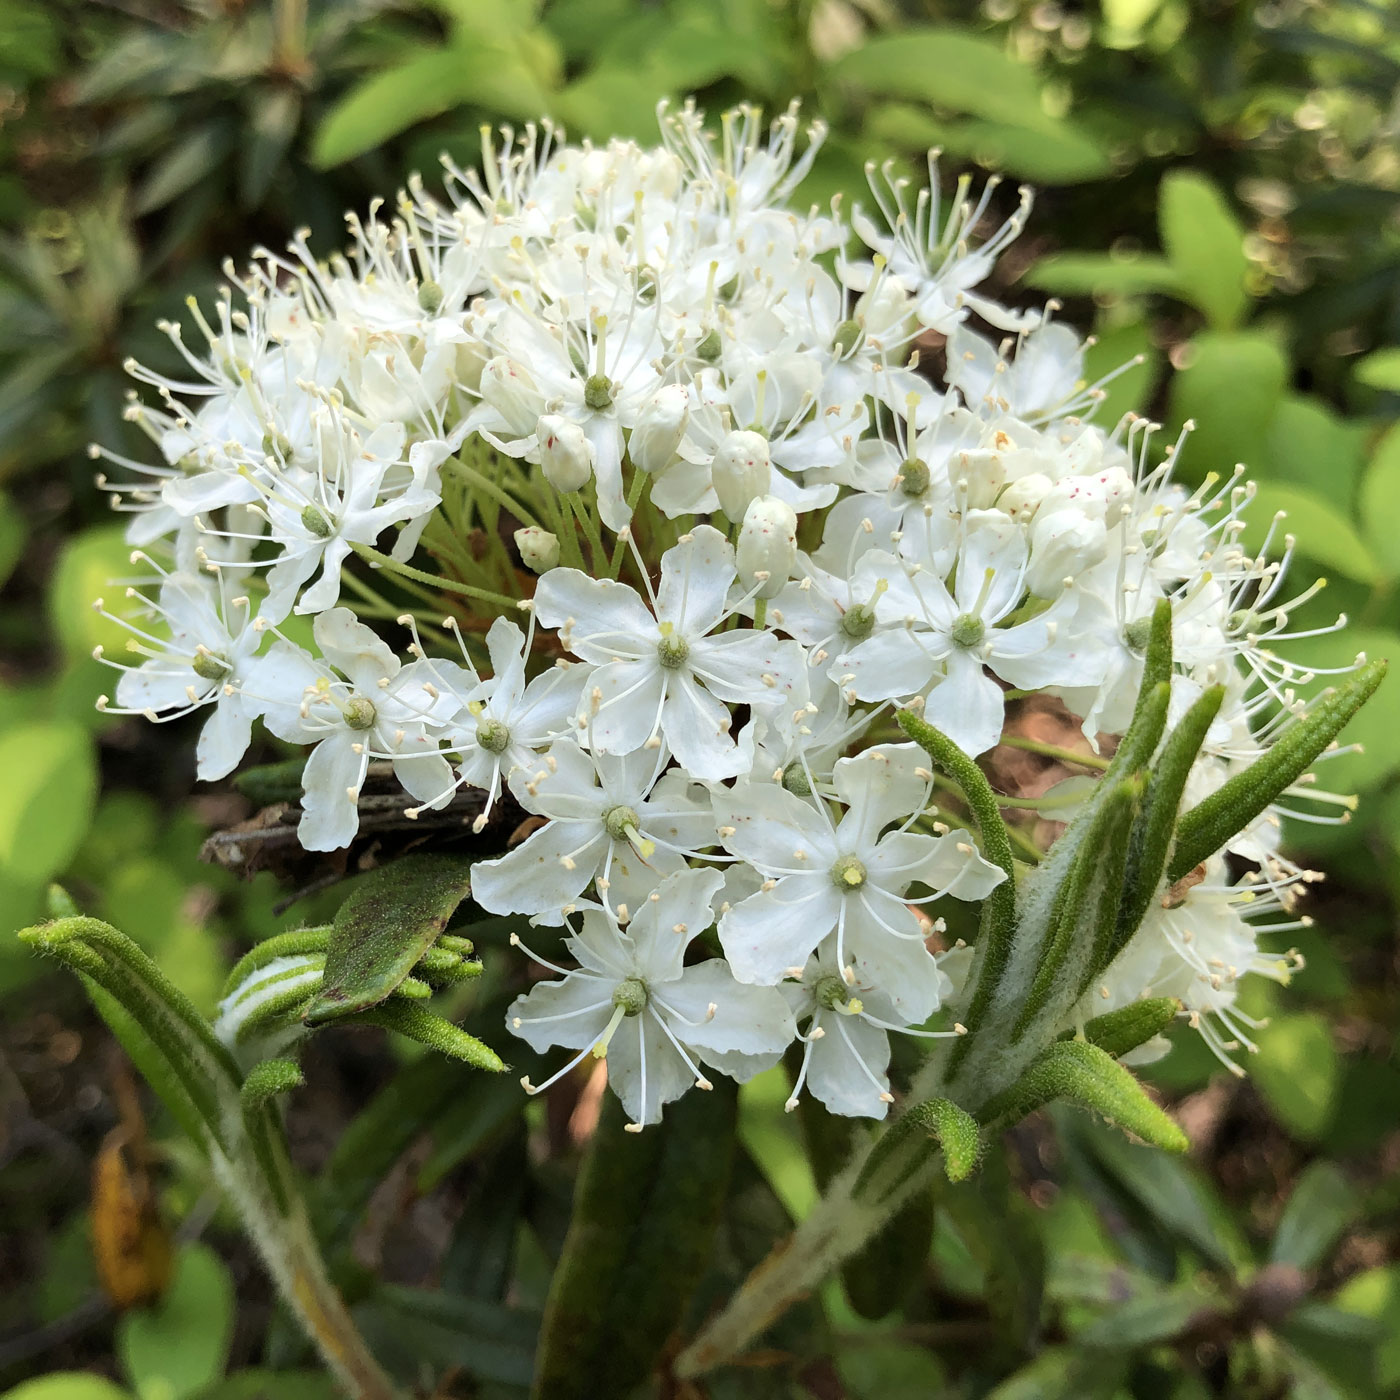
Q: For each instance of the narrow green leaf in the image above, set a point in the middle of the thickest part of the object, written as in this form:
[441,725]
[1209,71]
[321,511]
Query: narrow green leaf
[1118,1032]
[1152,835]
[1232,807]
[271,782]
[280,945]
[1084,1075]
[267,1080]
[414,1023]
[910,1141]
[1381,370]
[1380,501]
[389,921]
[998,923]
[1089,896]
[1154,1315]
[1320,1210]
[646,1207]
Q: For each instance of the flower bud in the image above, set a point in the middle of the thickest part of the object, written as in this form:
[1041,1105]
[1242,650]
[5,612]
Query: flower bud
[742,470]
[659,430]
[509,389]
[1063,543]
[767,545]
[566,455]
[539,550]
[1022,498]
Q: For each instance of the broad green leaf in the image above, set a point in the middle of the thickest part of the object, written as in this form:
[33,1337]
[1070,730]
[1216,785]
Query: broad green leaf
[1103,275]
[67,1385]
[880,1370]
[1310,446]
[1114,351]
[1380,503]
[1322,1205]
[378,109]
[1298,1073]
[1153,1315]
[1322,531]
[1205,246]
[175,1348]
[646,1207]
[1375,1294]
[86,569]
[1230,385]
[391,918]
[949,69]
[47,798]
[1381,370]
[1062,1373]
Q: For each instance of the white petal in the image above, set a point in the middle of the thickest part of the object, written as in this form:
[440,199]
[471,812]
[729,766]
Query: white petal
[622,704]
[771,826]
[837,1071]
[533,879]
[902,968]
[599,619]
[329,816]
[747,1019]
[766,934]
[224,739]
[967,704]
[645,1070]
[679,909]
[572,1012]
[695,579]
[880,787]
[892,665]
[696,726]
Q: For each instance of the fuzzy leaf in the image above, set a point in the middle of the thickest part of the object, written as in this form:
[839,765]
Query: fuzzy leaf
[645,1211]
[1231,808]
[1118,1032]
[267,1080]
[911,1139]
[389,921]
[414,1023]
[1084,1075]
[999,908]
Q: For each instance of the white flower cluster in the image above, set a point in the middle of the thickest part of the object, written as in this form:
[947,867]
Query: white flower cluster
[759,527]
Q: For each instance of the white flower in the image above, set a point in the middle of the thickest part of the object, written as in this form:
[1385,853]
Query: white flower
[356,703]
[846,1046]
[634,1001]
[610,817]
[205,660]
[664,672]
[845,878]
[952,638]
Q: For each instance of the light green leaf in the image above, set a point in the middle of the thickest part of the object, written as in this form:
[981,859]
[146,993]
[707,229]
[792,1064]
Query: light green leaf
[1061,1373]
[258,1384]
[1380,503]
[67,1385]
[1381,370]
[1321,1207]
[378,109]
[878,1370]
[1322,531]
[86,568]
[46,799]
[947,68]
[1205,245]
[1298,1073]
[1103,275]
[1309,445]
[178,1346]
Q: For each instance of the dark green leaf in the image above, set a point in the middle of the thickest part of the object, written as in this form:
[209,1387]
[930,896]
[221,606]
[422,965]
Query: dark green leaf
[389,921]
[645,1211]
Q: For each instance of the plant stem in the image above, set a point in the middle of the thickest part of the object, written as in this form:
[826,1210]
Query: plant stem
[498,493]
[483,595]
[1085,760]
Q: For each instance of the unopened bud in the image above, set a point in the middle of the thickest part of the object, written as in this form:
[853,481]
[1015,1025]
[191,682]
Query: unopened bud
[566,455]
[539,549]
[767,545]
[742,470]
[660,428]
[1022,497]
